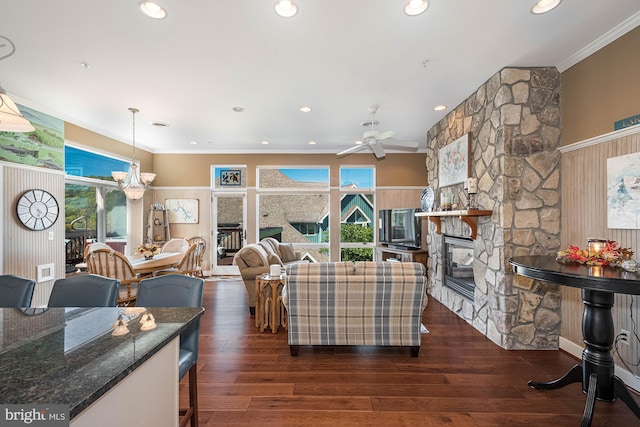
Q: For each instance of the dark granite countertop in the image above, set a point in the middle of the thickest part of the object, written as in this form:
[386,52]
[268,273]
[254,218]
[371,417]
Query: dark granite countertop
[68,356]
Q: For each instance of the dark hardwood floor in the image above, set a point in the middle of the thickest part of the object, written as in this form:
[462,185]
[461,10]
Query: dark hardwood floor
[460,378]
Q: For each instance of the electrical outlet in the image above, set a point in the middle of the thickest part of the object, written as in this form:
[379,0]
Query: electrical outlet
[623,337]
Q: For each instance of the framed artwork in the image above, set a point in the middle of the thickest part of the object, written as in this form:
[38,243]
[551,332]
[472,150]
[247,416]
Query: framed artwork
[182,211]
[43,147]
[454,165]
[230,178]
[623,191]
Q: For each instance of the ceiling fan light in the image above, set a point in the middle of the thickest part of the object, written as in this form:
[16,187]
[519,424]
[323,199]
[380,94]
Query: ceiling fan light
[544,6]
[285,8]
[416,7]
[152,9]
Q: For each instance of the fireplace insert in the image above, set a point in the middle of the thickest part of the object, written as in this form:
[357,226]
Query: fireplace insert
[458,266]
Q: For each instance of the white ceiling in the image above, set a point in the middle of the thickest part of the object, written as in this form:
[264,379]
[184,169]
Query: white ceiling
[338,56]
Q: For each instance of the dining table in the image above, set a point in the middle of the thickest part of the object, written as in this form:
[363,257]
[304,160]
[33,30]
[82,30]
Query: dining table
[161,261]
[599,284]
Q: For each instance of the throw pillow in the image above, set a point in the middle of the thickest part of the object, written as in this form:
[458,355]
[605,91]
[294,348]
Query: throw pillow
[287,252]
[251,258]
[275,259]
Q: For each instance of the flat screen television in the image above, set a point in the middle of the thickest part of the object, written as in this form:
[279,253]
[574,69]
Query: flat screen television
[400,228]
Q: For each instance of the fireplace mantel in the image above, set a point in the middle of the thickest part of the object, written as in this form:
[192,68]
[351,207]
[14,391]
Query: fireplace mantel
[468,216]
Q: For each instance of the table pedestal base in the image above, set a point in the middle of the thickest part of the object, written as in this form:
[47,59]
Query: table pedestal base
[596,370]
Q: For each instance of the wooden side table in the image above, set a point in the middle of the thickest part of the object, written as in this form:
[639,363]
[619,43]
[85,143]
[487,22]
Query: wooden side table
[270,311]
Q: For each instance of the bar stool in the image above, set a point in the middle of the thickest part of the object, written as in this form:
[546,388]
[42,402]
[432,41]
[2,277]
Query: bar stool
[15,291]
[177,290]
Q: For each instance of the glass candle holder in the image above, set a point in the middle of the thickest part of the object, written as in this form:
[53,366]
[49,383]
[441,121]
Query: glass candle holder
[595,247]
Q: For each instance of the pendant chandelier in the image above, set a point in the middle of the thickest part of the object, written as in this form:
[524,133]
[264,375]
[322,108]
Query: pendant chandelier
[133,183]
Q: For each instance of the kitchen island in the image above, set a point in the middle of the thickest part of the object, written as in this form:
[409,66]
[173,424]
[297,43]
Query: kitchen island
[70,356]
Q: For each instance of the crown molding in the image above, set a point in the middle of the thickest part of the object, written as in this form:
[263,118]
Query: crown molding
[621,29]
[631,130]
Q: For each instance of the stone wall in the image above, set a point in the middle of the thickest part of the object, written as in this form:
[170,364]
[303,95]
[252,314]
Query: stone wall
[514,123]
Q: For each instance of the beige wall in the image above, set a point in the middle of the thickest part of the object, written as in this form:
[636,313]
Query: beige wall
[601,90]
[178,170]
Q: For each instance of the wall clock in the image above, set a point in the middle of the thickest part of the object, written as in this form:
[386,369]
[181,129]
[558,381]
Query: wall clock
[37,209]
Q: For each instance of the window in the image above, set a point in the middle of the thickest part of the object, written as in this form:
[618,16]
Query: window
[293,206]
[357,213]
[311,178]
[94,207]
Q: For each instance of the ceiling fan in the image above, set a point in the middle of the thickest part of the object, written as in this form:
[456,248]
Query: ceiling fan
[376,140]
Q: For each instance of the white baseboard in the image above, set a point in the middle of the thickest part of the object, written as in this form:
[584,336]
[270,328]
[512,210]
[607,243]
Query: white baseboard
[575,350]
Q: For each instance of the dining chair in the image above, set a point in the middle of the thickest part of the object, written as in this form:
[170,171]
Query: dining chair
[84,290]
[15,291]
[95,246]
[187,264]
[113,264]
[176,244]
[178,290]
[200,250]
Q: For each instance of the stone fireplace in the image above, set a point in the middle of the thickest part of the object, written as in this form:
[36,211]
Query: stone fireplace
[514,123]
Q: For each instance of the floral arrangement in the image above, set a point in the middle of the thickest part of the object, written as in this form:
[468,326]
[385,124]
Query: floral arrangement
[610,255]
[148,249]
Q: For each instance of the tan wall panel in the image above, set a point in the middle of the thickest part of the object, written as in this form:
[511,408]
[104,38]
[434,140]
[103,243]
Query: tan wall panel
[193,170]
[23,250]
[601,89]
[584,215]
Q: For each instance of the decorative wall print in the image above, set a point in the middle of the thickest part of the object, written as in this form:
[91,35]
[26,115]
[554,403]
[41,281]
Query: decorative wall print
[230,178]
[44,147]
[623,191]
[453,161]
[182,211]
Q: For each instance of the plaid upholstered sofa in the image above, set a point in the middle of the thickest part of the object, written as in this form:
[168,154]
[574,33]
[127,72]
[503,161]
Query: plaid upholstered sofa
[362,303]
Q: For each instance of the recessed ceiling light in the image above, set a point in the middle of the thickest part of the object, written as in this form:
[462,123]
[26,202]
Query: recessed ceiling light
[152,9]
[238,109]
[285,8]
[416,7]
[544,6]
[440,107]
[312,143]
[305,109]
[193,142]
[264,142]
[358,142]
